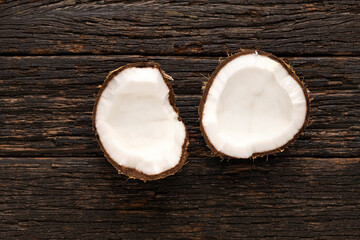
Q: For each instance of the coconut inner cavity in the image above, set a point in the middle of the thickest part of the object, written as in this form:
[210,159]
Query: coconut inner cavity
[142,119]
[253,106]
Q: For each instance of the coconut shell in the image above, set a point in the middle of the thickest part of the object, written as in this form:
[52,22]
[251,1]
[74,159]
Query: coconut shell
[131,172]
[210,82]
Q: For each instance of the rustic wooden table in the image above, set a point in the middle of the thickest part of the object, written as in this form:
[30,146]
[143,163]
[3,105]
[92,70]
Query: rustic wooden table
[55,182]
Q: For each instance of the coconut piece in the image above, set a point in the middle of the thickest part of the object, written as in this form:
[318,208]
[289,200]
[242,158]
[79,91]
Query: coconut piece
[252,105]
[137,124]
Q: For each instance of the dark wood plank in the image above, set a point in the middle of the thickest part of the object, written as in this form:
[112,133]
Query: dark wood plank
[302,27]
[54,181]
[84,198]
[46,103]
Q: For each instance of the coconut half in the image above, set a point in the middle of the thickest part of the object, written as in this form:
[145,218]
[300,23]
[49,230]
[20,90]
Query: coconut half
[137,124]
[252,105]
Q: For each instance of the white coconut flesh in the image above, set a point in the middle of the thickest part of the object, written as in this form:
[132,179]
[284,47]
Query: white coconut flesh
[137,126]
[253,106]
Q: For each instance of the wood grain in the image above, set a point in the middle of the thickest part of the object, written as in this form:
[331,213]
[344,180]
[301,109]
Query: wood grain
[54,181]
[84,198]
[300,27]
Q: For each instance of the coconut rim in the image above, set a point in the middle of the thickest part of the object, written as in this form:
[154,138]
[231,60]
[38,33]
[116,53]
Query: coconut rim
[210,82]
[132,172]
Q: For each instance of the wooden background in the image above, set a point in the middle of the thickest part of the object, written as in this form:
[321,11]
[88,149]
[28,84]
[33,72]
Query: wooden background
[55,182]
